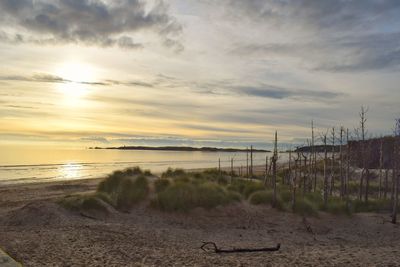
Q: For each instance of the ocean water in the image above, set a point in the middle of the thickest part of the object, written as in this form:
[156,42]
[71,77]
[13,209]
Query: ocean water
[27,165]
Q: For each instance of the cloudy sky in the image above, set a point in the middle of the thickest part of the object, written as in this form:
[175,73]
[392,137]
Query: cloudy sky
[183,72]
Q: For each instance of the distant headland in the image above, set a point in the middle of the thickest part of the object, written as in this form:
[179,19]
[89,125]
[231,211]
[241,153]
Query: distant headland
[181,148]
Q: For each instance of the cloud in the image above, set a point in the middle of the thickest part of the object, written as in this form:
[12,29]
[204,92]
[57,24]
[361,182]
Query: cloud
[45,78]
[331,36]
[95,22]
[319,15]
[378,51]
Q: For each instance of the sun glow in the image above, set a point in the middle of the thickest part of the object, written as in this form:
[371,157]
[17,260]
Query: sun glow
[77,78]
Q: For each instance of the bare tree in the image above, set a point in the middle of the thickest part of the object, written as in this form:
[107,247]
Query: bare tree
[251,162]
[341,163]
[325,174]
[290,166]
[380,168]
[314,158]
[396,158]
[247,162]
[332,187]
[266,170]
[347,169]
[294,181]
[274,159]
[386,183]
[363,120]
[304,177]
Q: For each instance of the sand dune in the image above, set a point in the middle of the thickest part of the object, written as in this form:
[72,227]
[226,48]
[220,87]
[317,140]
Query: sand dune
[40,233]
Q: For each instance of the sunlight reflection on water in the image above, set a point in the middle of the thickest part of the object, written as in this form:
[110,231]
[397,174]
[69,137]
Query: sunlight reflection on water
[70,171]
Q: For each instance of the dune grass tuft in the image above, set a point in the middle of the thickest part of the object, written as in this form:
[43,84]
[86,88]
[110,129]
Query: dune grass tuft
[245,187]
[178,190]
[161,184]
[124,188]
[305,207]
[80,203]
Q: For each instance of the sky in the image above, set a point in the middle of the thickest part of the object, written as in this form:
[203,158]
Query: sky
[226,73]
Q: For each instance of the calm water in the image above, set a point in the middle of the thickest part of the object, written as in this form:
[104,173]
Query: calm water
[25,165]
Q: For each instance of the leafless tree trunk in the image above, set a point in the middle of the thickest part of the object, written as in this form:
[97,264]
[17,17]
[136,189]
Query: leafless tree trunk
[247,162]
[314,157]
[290,167]
[396,163]
[266,170]
[347,169]
[386,183]
[274,159]
[294,184]
[341,163]
[380,168]
[363,120]
[367,184]
[232,167]
[325,174]
[393,184]
[251,162]
[332,187]
[304,174]
[396,195]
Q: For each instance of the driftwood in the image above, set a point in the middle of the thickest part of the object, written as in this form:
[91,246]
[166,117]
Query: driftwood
[237,250]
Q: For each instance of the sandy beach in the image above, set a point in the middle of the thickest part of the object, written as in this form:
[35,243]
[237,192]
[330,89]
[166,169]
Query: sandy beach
[38,232]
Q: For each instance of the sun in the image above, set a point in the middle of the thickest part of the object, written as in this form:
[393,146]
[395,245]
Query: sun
[76,78]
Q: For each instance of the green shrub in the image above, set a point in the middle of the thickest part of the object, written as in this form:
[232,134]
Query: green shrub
[124,190]
[111,184]
[133,171]
[265,197]
[245,187]
[234,196]
[252,187]
[81,203]
[93,203]
[131,191]
[372,205]
[261,197]
[285,194]
[238,185]
[184,196]
[316,198]
[161,184]
[305,207]
[173,173]
[147,173]
[337,206]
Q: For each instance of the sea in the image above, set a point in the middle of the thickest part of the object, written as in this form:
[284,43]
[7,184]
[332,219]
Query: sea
[31,165]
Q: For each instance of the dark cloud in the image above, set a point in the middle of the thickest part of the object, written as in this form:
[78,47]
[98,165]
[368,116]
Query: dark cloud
[89,22]
[276,92]
[330,15]
[334,36]
[377,51]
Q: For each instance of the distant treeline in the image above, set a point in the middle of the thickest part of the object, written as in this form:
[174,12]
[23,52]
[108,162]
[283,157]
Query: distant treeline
[317,149]
[181,148]
[368,150]
[372,149]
